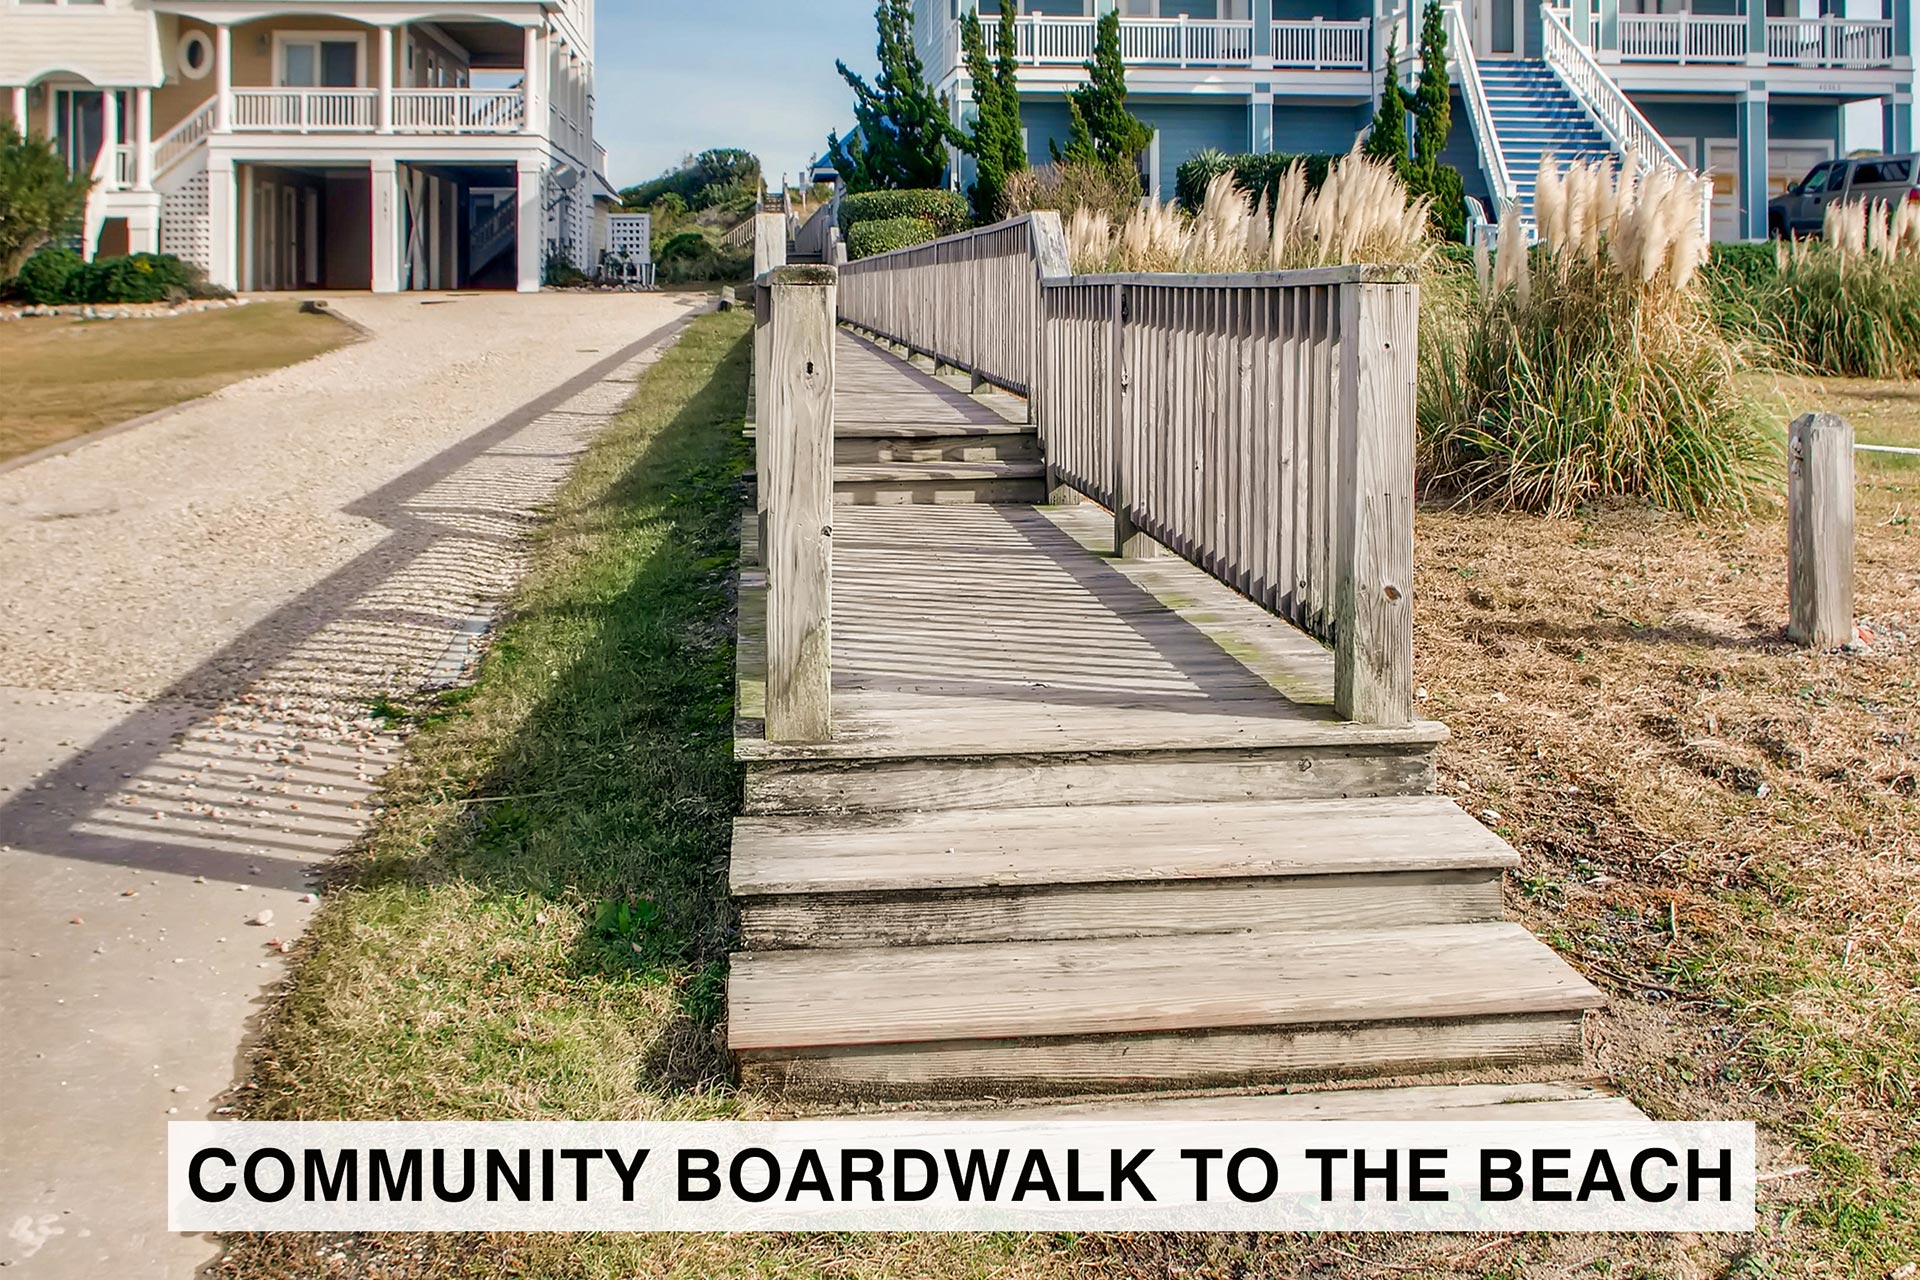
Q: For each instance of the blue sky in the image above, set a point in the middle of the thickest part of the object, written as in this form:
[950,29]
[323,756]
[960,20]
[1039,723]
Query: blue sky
[676,76]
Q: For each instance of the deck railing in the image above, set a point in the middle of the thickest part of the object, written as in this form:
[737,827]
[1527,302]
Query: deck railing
[1830,41]
[304,110]
[1323,44]
[1683,37]
[1043,40]
[1259,425]
[970,301]
[458,110]
[176,142]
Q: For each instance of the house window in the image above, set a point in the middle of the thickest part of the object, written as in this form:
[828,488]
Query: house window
[316,63]
[195,55]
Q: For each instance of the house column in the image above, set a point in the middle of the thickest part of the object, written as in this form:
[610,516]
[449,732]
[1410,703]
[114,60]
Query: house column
[530,231]
[20,109]
[1260,119]
[529,87]
[143,139]
[1751,112]
[383,119]
[223,82]
[1262,11]
[110,137]
[222,231]
[433,233]
[386,225]
[1896,122]
[1756,33]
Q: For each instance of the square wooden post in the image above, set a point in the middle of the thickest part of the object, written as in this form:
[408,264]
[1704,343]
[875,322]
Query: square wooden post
[797,487]
[1820,530]
[1373,590]
[757,402]
[769,242]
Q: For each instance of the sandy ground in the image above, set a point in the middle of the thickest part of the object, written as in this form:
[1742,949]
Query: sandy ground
[199,616]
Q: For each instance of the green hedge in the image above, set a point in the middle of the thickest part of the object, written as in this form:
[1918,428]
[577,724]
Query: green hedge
[57,276]
[1257,173]
[887,234]
[945,211]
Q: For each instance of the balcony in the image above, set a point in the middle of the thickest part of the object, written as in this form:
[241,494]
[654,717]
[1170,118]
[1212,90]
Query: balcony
[1314,44]
[1791,42]
[436,111]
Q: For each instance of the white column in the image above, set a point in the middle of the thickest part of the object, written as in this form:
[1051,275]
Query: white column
[143,139]
[433,233]
[222,233]
[223,84]
[383,121]
[386,226]
[529,82]
[143,230]
[110,136]
[245,247]
[20,109]
[531,231]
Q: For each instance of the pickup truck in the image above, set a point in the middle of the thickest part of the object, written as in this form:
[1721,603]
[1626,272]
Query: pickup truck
[1802,209]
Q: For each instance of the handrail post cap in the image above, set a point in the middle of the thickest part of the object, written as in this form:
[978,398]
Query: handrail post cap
[806,273]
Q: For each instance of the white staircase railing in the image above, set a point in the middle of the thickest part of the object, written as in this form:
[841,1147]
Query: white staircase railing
[176,142]
[1626,129]
[491,234]
[1466,73]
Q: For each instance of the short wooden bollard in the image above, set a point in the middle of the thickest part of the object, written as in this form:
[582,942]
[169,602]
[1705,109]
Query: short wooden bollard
[1820,530]
[769,242]
[796,483]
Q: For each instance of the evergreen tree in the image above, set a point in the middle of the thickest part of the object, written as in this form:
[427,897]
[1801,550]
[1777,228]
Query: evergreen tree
[1387,140]
[1104,131]
[1432,101]
[996,144]
[903,124]
[40,198]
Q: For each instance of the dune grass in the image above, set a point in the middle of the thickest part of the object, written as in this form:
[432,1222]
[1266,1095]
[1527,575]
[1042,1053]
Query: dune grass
[66,377]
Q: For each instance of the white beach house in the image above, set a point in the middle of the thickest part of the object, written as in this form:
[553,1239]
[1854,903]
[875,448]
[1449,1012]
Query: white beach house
[343,144]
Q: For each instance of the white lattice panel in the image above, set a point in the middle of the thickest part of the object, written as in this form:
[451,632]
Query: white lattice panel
[631,236]
[186,231]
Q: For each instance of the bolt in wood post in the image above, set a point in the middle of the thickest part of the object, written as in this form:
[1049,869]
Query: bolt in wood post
[798,485]
[1373,596]
[1820,530]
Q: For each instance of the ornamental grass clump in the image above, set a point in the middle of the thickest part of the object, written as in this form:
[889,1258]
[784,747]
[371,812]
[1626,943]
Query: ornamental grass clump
[1590,367]
[1849,303]
[1360,213]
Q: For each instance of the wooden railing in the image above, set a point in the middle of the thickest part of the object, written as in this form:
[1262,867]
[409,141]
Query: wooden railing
[1259,425]
[970,301]
[305,110]
[1830,42]
[1146,42]
[1683,37]
[458,110]
[1505,193]
[1322,43]
[183,137]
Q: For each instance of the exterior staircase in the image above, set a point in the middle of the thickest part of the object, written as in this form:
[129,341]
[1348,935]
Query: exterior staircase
[1536,115]
[491,235]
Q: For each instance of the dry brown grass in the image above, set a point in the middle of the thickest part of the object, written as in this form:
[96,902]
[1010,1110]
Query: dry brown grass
[65,377]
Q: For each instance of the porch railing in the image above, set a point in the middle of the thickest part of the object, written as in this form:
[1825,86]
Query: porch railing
[1680,37]
[304,110]
[123,164]
[458,110]
[1830,42]
[1258,425]
[1323,44]
[1157,42]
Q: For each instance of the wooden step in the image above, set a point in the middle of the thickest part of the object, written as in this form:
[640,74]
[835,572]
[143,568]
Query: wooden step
[921,483]
[1193,1011]
[968,876]
[864,444]
[1532,1101]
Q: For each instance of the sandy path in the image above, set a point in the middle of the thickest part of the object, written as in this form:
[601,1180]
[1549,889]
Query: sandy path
[197,616]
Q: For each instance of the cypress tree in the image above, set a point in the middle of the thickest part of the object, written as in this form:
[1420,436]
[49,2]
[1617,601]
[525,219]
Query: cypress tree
[1387,140]
[1104,131]
[904,129]
[1432,100]
[995,142]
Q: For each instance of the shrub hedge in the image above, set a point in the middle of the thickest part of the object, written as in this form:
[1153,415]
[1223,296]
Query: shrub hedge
[946,212]
[54,277]
[884,235]
[1257,173]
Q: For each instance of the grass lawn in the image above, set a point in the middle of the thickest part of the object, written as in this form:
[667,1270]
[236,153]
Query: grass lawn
[65,377]
[1721,829]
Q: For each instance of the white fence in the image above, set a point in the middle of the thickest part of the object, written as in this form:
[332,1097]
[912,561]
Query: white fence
[1323,44]
[304,110]
[1146,42]
[459,110]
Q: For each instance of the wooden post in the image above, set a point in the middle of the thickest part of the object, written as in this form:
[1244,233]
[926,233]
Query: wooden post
[1373,569]
[769,242]
[798,489]
[1820,530]
[758,398]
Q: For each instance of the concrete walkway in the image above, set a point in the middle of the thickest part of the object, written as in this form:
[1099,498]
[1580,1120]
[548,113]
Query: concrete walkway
[199,615]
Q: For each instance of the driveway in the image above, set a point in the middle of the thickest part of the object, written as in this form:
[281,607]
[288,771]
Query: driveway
[200,615]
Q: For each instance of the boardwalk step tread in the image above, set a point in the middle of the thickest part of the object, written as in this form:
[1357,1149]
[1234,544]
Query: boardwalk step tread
[1107,844]
[858,473]
[796,1000]
[1555,1101]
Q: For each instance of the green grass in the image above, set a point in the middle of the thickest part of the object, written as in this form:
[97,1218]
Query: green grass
[68,377]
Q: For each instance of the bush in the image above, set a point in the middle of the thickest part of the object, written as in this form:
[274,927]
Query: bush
[47,278]
[138,277]
[945,211]
[1257,174]
[1592,369]
[685,245]
[1065,188]
[884,235]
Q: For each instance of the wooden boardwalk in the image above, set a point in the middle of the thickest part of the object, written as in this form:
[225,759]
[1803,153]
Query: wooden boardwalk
[1090,825]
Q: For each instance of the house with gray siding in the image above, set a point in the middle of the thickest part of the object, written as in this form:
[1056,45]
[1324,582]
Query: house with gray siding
[1755,94]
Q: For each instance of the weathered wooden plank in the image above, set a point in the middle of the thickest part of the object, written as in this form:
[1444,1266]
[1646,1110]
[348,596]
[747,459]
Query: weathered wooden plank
[1373,645]
[799,489]
[1205,1059]
[1820,530]
[1102,987]
[1534,1102]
